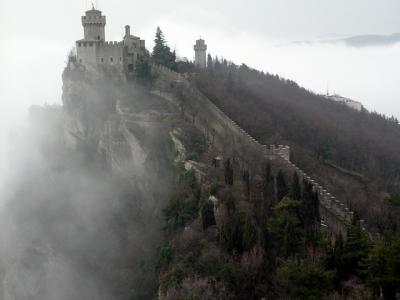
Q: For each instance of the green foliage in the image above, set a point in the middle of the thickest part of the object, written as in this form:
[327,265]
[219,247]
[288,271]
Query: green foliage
[143,68]
[249,232]
[183,205]
[281,186]
[166,256]
[394,199]
[325,152]
[207,215]
[295,188]
[238,233]
[308,281]
[228,172]
[355,250]
[384,267]
[194,142]
[287,233]
[162,54]
[309,213]
[171,279]
[229,201]
[215,188]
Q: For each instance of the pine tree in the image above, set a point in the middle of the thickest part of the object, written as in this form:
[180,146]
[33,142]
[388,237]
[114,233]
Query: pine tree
[355,250]
[159,47]
[384,267]
[162,54]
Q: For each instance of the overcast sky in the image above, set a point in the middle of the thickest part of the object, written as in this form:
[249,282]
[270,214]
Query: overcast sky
[37,35]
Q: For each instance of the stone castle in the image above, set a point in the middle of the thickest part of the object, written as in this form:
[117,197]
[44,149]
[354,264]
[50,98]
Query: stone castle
[93,50]
[220,131]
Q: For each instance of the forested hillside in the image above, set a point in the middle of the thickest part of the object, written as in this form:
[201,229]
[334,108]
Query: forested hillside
[354,153]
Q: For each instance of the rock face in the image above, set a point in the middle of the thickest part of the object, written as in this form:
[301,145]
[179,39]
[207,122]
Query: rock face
[116,119]
[84,211]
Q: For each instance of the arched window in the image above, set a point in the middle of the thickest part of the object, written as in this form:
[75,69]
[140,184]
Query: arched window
[111,59]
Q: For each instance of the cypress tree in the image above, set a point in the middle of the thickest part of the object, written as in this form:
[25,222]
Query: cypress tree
[295,190]
[228,172]
[355,250]
[281,187]
[207,215]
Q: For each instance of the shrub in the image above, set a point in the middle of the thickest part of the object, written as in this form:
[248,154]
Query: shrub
[306,281]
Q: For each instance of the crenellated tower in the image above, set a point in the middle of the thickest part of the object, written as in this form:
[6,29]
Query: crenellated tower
[94,25]
[200,53]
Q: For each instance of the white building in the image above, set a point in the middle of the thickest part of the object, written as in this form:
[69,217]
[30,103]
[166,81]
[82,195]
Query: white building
[349,102]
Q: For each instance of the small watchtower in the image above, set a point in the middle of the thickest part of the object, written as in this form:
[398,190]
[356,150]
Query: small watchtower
[200,53]
[94,25]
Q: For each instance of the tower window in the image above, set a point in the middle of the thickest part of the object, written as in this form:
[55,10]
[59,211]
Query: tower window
[120,59]
[111,59]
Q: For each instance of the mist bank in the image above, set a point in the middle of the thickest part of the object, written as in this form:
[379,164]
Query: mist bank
[75,224]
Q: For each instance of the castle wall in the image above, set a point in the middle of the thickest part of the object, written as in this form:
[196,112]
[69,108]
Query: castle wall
[235,143]
[110,53]
[86,52]
[101,53]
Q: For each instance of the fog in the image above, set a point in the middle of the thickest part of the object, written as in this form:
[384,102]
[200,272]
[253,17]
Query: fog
[35,40]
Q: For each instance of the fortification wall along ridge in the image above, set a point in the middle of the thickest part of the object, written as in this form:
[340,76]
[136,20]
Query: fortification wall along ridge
[226,134]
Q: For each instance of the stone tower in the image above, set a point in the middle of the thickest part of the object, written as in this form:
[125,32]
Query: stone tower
[94,25]
[200,53]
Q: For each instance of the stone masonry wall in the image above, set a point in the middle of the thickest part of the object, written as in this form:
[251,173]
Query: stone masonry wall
[236,143]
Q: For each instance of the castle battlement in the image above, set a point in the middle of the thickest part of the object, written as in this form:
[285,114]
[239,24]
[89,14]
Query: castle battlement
[93,50]
[334,213]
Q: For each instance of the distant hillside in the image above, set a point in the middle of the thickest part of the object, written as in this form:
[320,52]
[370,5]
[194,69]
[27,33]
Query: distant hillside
[359,41]
[354,153]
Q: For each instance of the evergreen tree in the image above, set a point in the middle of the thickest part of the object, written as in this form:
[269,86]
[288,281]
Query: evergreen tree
[356,249]
[285,227]
[143,68]
[162,54]
[249,233]
[207,215]
[281,186]
[228,170]
[210,63]
[295,189]
[246,179]
[384,267]
[309,213]
[307,281]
